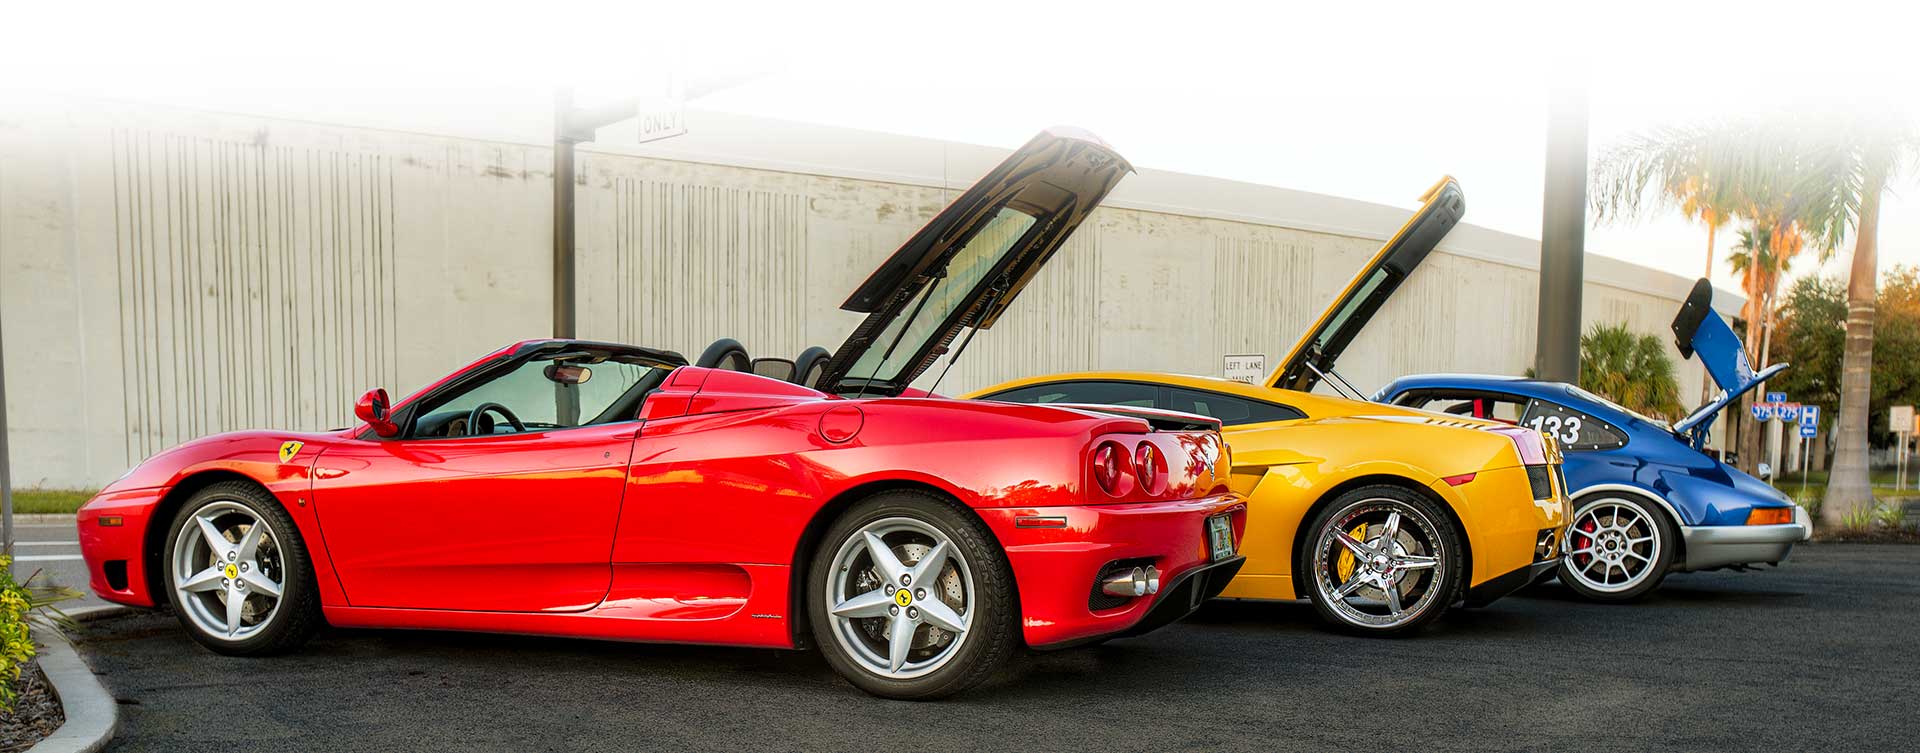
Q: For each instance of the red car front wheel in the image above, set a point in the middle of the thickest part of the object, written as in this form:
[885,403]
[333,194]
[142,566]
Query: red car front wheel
[238,574]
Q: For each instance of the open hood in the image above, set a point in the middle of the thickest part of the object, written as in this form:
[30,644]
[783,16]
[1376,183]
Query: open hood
[965,266]
[1441,208]
[1698,330]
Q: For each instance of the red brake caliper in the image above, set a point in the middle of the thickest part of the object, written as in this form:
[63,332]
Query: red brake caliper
[1584,541]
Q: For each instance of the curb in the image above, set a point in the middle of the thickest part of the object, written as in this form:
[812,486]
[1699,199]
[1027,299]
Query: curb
[92,714]
[42,518]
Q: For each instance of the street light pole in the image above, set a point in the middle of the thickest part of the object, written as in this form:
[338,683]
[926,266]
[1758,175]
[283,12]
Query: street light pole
[572,126]
[1563,235]
[563,257]
[6,472]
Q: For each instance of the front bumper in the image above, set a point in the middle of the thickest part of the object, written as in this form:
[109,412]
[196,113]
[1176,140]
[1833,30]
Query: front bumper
[1708,547]
[116,567]
[1056,567]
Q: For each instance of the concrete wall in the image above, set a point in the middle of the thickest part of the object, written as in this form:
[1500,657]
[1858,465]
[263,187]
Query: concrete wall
[168,274]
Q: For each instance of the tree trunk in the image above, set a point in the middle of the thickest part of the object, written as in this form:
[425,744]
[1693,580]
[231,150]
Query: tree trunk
[1818,461]
[1750,445]
[1710,231]
[1848,488]
[1706,380]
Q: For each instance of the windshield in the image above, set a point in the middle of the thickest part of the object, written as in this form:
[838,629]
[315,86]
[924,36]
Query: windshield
[928,312]
[1351,306]
[1616,406]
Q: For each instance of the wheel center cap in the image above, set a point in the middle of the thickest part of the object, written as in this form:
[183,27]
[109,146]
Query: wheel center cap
[232,570]
[1380,564]
[903,597]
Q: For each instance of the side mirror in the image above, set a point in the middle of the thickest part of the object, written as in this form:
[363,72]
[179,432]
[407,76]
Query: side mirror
[372,409]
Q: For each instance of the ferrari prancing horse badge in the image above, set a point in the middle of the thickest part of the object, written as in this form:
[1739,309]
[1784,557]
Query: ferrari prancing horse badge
[290,449]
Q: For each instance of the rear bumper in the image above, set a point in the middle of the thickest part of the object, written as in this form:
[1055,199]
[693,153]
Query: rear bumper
[1708,547]
[1505,526]
[1186,595]
[1056,566]
[1493,588]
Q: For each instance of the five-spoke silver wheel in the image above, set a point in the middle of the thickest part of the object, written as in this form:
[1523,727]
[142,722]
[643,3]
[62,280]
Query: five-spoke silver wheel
[1381,561]
[1614,547]
[900,597]
[228,571]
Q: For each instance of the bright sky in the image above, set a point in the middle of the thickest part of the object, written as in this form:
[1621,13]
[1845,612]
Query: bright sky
[1372,102]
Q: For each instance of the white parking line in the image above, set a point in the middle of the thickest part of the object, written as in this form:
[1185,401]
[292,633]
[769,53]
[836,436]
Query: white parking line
[47,558]
[46,543]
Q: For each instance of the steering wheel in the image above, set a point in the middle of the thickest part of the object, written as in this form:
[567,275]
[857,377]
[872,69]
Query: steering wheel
[473,419]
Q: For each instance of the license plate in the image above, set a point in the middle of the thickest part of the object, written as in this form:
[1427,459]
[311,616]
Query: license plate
[1219,537]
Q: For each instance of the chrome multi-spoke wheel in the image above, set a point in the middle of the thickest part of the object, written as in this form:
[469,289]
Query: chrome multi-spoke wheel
[227,570]
[899,597]
[1382,561]
[910,597]
[1617,549]
[237,573]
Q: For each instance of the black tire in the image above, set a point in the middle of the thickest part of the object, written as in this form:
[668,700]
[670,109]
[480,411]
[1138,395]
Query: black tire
[1656,556]
[992,609]
[1433,537]
[296,617]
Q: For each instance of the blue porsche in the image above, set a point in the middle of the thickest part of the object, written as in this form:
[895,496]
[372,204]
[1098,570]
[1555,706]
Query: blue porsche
[1647,497]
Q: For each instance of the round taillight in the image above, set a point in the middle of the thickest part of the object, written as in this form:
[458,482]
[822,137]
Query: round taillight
[1146,465]
[1110,467]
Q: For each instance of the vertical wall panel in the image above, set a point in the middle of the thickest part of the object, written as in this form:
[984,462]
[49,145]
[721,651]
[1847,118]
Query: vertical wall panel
[678,264]
[170,274]
[1262,299]
[255,284]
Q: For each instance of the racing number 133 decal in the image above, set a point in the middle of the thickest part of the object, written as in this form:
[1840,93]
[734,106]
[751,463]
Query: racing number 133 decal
[1552,426]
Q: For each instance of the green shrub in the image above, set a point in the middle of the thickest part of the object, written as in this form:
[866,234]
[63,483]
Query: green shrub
[1857,520]
[1812,499]
[1892,515]
[25,607]
[16,641]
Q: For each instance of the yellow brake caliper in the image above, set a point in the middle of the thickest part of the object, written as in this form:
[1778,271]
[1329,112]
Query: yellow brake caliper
[1344,565]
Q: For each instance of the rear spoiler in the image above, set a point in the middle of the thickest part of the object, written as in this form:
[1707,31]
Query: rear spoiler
[1698,330]
[1160,420]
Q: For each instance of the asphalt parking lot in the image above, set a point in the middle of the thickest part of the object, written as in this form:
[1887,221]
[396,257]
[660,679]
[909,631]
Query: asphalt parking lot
[1818,654]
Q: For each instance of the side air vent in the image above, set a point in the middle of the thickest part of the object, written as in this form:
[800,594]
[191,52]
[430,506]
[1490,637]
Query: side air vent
[1540,480]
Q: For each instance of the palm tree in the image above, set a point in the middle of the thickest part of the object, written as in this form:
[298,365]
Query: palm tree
[1762,283]
[1857,155]
[1811,177]
[1672,166]
[1630,369]
[1714,172]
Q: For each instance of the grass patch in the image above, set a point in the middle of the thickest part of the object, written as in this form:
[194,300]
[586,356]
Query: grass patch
[44,501]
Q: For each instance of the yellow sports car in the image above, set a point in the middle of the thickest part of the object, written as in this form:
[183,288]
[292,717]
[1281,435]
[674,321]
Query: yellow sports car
[1381,516]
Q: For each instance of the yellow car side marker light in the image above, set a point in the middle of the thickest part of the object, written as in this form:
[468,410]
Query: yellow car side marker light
[1769,516]
[1460,479]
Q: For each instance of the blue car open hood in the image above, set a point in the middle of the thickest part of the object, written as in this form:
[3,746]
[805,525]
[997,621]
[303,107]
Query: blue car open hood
[1698,330]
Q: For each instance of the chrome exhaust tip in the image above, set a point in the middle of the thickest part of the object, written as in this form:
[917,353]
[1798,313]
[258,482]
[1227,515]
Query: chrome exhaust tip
[1139,581]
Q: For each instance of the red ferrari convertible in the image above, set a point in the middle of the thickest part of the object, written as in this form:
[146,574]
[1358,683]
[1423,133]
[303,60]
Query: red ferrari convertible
[588,489]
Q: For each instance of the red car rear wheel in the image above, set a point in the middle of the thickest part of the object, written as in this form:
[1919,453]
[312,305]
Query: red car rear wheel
[910,597]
